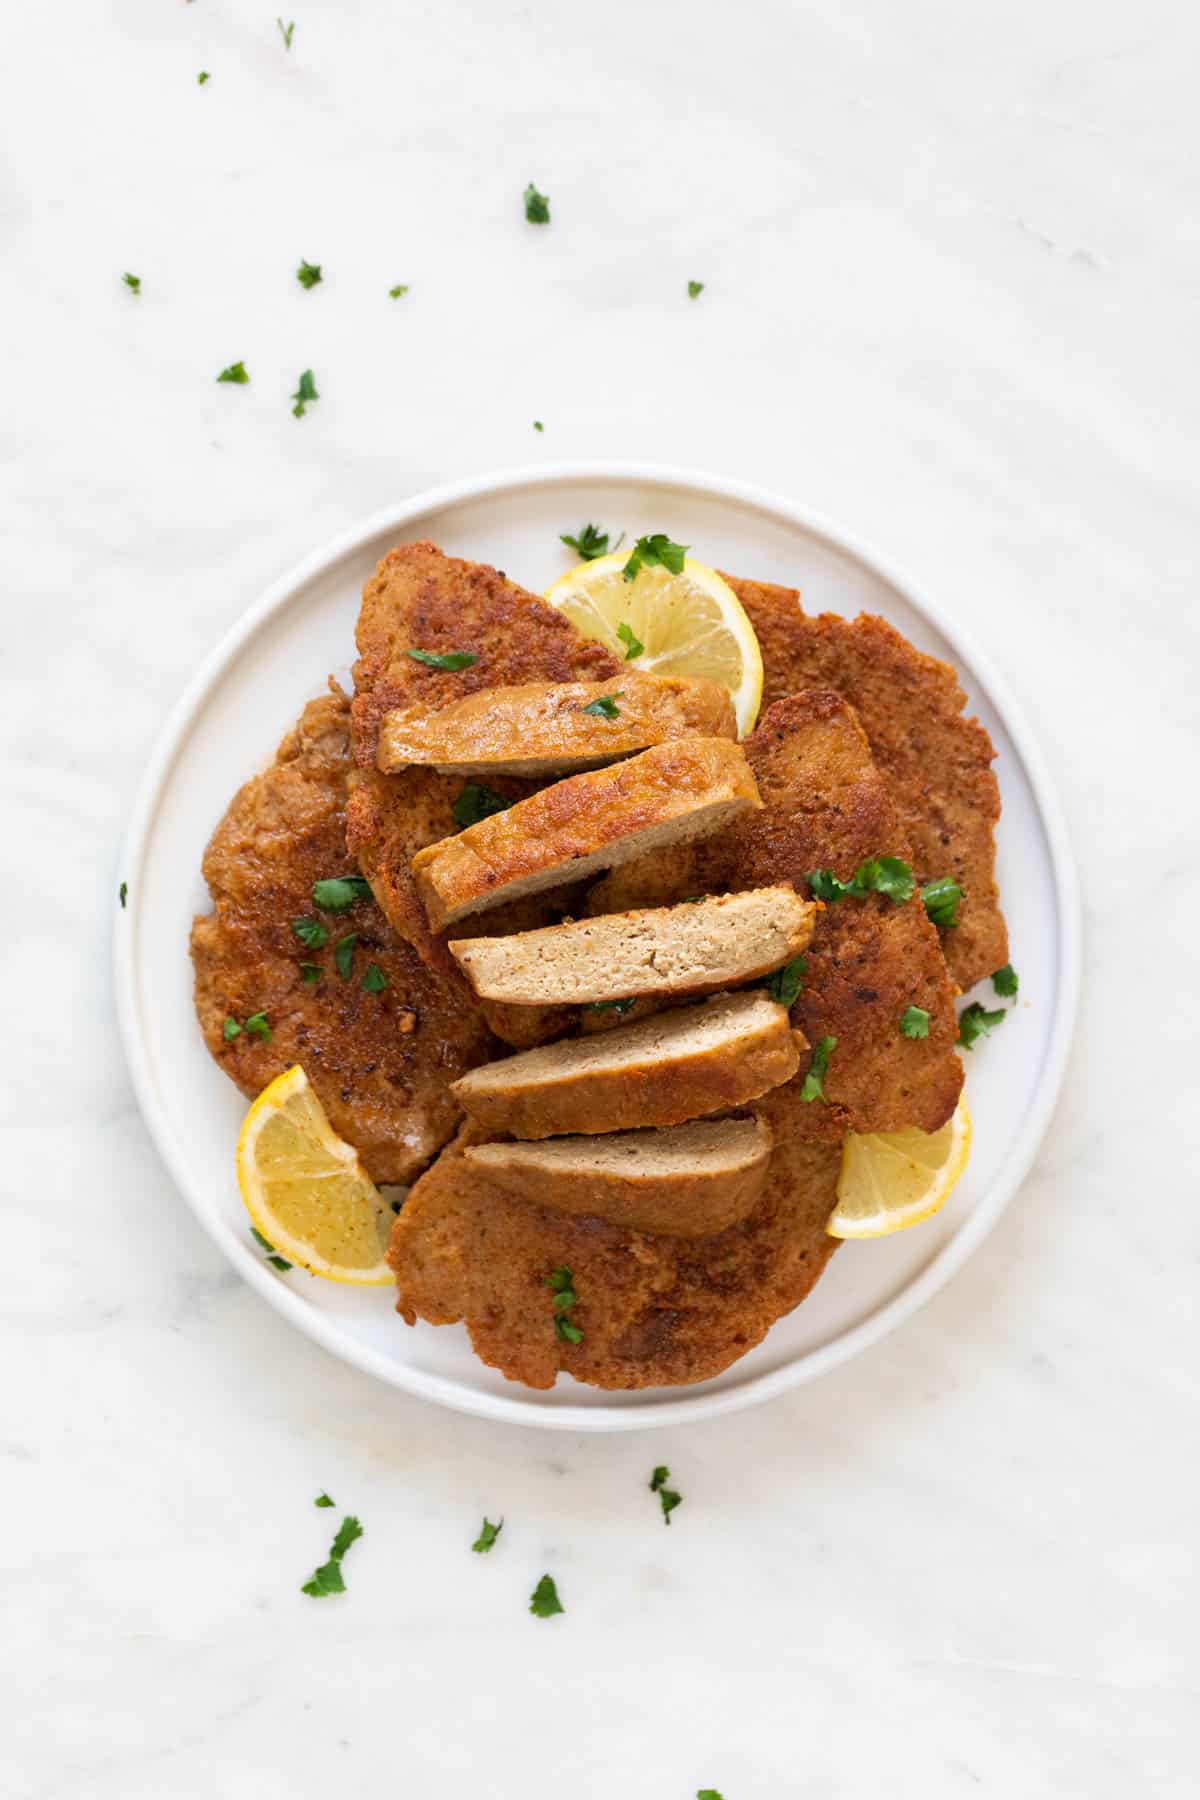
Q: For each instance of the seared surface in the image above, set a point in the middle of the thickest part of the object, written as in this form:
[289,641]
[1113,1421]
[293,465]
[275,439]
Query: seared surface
[543,729]
[662,951]
[380,1063]
[689,1181]
[598,820]
[825,805]
[679,1065]
[936,763]
[654,1311]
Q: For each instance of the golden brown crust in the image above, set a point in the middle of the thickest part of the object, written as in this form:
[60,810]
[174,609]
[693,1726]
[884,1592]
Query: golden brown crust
[654,1311]
[826,806]
[936,763]
[379,1062]
[673,792]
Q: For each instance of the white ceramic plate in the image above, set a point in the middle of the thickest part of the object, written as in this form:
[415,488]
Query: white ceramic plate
[252,688]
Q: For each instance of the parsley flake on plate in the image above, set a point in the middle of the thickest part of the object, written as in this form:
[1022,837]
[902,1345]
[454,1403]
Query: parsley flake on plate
[328,1578]
[786,983]
[202,77]
[941,898]
[308,275]
[311,932]
[707,1794]
[914,1022]
[236,373]
[399,291]
[632,642]
[975,1021]
[667,1496]
[338,893]
[230,1029]
[323,1500]
[306,391]
[1006,982]
[343,954]
[132,282]
[374,980]
[310,972]
[695,289]
[544,1601]
[123,894]
[886,875]
[813,1087]
[285,32]
[655,551]
[590,542]
[444,659]
[537,206]
[488,1533]
[604,706]
[478,802]
[273,1257]
[257,1026]
[560,1281]
[538,426]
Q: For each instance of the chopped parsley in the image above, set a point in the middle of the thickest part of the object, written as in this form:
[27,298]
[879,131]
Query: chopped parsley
[311,932]
[328,1578]
[123,894]
[256,1026]
[202,77]
[632,642]
[488,1533]
[655,551]
[590,543]
[914,1022]
[976,1022]
[236,372]
[813,1087]
[305,391]
[273,1257]
[538,426]
[323,1500]
[785,983]
[285,32]
[230,1029]
[668,1497]
[559,1281]
[941,898]
[1006,982]
[399,291]
[617,1006]
[374,980]
[537,206]
[695,289]
[877,875]
[605,706]
[308,275]
[310,973]
[338,893]
[132,282]
[478,802]
[707,1794]
[445,659]
[544,1601]
[343,954]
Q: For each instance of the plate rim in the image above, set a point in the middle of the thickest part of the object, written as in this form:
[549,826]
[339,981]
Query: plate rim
[886,1318]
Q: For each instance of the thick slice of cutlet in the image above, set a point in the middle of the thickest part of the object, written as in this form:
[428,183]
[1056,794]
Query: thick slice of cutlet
[825,805]
[936,763]
[542,729]
[379,1058]
[420,599]
[668,795]
[653,1311]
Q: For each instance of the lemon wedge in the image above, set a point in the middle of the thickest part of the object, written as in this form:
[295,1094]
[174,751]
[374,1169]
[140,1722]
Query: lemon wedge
[306,1190]
[891,1180]
[687,624]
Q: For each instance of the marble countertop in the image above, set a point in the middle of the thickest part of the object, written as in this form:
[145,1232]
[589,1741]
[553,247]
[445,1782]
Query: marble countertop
[951,268]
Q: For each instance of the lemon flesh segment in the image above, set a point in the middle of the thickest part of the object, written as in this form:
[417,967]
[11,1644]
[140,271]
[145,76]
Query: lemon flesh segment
[691,624]
[891,1180]
[306,1190]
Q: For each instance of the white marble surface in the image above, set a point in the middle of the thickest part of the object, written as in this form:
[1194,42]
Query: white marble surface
[952,268]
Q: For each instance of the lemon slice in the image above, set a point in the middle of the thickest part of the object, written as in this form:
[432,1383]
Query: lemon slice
[687,624]
[890,1180]
[306,1190]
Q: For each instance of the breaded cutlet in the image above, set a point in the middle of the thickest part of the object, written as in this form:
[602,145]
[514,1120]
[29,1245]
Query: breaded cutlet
[936,763]
[653,1311]
[826,806]
[381,1063]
